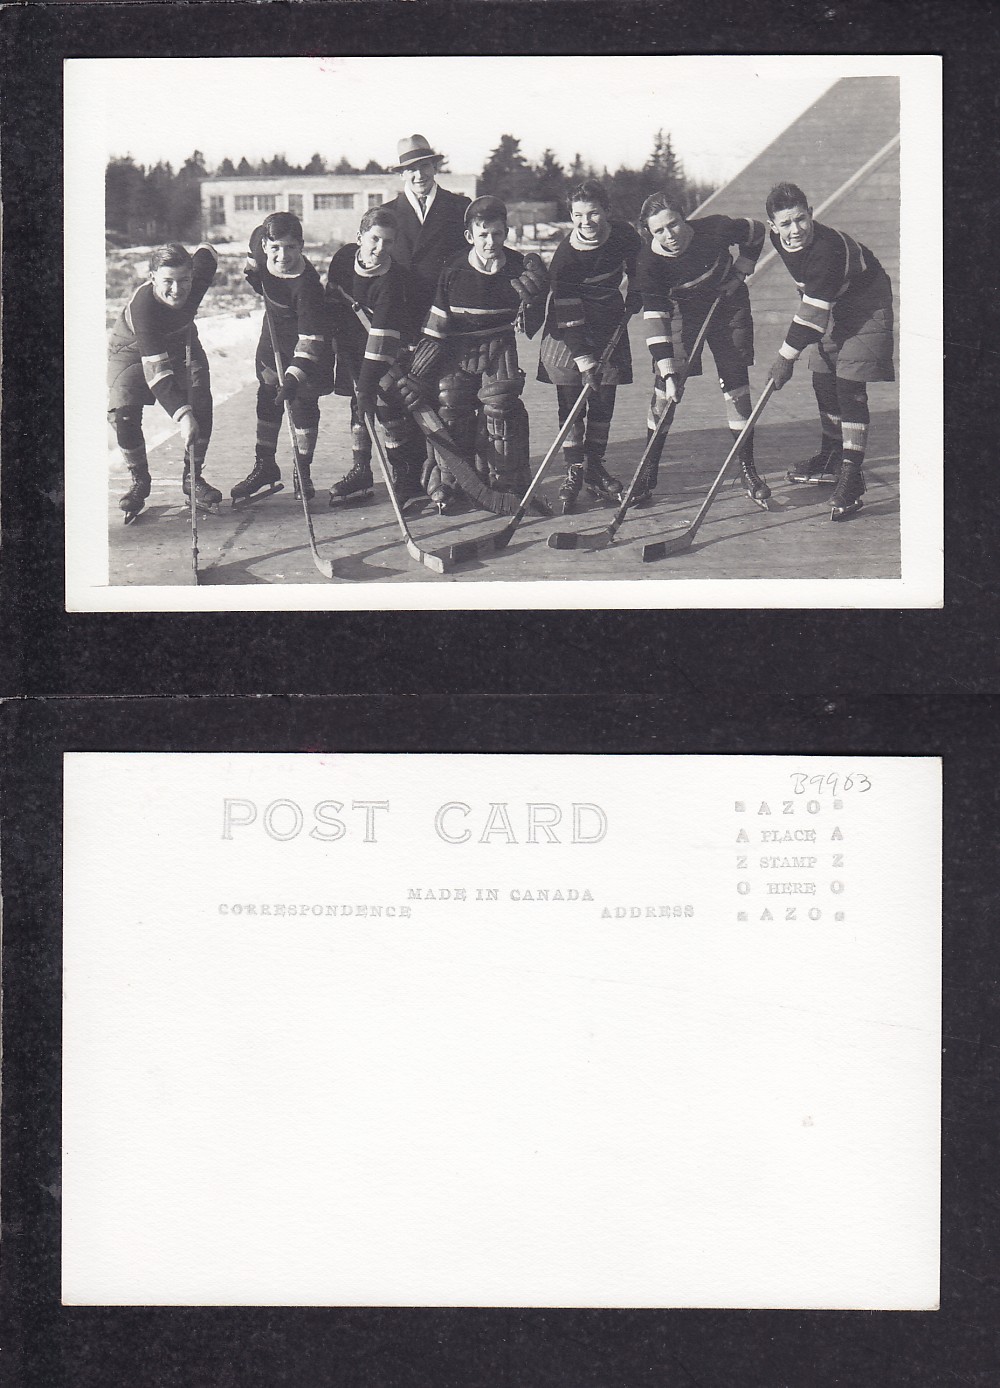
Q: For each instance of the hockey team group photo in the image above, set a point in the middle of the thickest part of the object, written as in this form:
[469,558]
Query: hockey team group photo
[541,331]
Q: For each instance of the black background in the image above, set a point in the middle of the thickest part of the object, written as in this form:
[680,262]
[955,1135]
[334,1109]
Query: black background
[912,683]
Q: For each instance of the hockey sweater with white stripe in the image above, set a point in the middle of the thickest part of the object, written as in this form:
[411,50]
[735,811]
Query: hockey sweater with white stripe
[827,270]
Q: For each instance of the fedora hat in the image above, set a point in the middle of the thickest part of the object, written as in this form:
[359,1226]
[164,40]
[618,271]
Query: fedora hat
[413,149]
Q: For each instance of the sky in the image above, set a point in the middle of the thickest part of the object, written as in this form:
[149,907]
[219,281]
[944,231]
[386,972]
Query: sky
[719,110]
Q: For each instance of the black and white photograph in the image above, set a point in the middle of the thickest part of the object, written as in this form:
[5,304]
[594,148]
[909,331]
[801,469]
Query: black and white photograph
[648,331]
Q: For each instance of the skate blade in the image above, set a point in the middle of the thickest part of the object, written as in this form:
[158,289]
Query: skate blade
[354,499]
[257,496]
[845,513]
[130,516]
[826,478]
[764,502]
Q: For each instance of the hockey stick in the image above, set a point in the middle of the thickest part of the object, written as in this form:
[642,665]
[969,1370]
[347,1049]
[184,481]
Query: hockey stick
[500,539]
[193,503]
[324,565]
[415,551]
[659,549]
[430,424]
[575,539]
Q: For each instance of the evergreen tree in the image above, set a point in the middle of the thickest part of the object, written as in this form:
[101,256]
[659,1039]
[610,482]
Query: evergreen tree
[345,166]
[226,169]
[373,167]
[507,174]
[245,169]
[663,169]
[316,165]
[550,178]
[123,184]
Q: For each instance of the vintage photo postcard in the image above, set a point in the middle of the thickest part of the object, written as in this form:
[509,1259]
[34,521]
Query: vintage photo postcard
[501,1030]
[507,332]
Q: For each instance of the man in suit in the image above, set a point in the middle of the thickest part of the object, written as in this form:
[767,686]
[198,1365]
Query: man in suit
[430,224]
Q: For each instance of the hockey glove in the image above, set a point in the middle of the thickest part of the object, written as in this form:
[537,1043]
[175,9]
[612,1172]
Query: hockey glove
[288,391]
[190,433]
[533,281]
[781,371]
[672,389]
[732,285]
[366,404]
[591,378]
[633,301]
[417,392]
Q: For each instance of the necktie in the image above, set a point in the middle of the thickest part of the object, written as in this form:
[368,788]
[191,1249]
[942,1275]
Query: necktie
[423,206]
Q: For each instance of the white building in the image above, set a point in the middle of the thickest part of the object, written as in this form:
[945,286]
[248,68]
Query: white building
[330,206]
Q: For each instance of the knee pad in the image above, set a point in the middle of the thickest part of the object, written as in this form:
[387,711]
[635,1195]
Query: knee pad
[267,408]
[127,424]
[734,381]
[853,399]
[304,410]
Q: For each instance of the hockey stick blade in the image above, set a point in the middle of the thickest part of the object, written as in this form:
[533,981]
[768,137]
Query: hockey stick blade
[430,560]
[465,550]
[581,539]
[660,549]
[601,539]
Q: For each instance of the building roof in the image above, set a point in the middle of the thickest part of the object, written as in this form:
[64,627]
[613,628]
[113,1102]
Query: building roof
[843,151]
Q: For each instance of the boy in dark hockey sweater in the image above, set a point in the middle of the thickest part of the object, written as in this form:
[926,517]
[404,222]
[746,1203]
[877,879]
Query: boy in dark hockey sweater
[366,274]
[155,357]
[683,266]
[845,316]
[468,354]
[585,307]
[278,271]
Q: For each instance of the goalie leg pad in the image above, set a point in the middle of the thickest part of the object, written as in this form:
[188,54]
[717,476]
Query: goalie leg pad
[507,431]
[458,401]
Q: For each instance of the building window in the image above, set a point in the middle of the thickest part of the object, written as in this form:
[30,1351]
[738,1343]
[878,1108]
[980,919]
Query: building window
[267,202]
[295,204]
[324,201]
[375,199]
[256,202]
[217,212]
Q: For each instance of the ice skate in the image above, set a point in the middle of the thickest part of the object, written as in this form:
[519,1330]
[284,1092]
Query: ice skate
[572,485]
[206,496]
[135,498]
[846,499]
[753,484]
[264,479]
[599,482]
[823,466]
[356,485]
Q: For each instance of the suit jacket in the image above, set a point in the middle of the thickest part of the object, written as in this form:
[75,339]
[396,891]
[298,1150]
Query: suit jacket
[424,248]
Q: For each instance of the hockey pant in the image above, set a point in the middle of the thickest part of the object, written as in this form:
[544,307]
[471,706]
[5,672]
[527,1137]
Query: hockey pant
[588,435]
[126,420]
